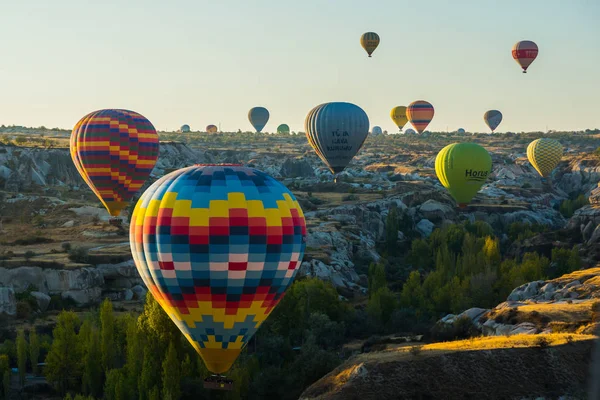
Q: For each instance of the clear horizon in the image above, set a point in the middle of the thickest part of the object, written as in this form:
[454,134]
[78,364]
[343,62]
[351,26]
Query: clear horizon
[199,62]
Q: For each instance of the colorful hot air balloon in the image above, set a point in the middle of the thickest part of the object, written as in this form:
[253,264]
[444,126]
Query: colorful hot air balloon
[184,128]
[283,128]
[336,131]
[398,115]
[218,246]
[211,129]
[376,131]
[492,119]
[544,154]
[524,52]
[420,113]
[463,168]
[258,117]
[369,41]
[460,130]
[115,152]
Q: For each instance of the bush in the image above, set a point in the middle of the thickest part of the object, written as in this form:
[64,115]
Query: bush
[79,255]
[350,197]
[66,246]
[416,350]
[542,342]
[29,254]
[24,309]
[32,240]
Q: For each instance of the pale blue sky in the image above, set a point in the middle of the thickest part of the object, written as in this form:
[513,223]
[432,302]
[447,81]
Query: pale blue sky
[200,62]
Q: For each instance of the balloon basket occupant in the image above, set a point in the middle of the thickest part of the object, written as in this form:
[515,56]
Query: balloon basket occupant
[218,382]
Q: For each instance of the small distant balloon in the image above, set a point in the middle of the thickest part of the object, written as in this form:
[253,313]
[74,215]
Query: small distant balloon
[369,41]
[376,131]
[410,131]
[420,113]
[184,128]
[258,116]
[544,154]
[524,52]
[283,128]
[492,119]
[460,130]
[211,129]
[398,115]
[336,131]
[463,168]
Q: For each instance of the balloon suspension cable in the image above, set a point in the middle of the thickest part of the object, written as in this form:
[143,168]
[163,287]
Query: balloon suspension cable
[218,382]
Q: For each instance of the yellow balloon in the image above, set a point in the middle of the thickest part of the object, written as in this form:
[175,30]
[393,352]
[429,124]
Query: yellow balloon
[398,115]
[463,168]
[369,41]
[544,154]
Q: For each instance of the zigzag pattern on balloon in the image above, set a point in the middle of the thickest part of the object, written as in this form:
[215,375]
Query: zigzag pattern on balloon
[220,244]
[544,154]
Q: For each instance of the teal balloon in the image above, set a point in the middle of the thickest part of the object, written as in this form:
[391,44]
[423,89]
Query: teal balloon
[258,116]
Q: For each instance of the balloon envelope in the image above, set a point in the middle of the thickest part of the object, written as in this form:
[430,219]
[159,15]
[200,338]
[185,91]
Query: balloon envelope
[258,117]
[460,130]
[398,115]
[369,41]
[184,128]
[410,131]
[463,168]
[114,152]
[283,128]
[376,130]
[544,154]
[211,129]
[420,113]
[336,131]
[221,244]
[524,52]
[492,119]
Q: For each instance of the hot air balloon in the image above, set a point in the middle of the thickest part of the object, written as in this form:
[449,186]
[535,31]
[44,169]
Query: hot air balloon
[114,151]
[463,168]
[492,119]
[218,245]
[258,117]
[283,128]
[460,130]
[184,128]
[524,52]
[211,129]
[336,131]
[544,154]
[410,131]
[369,41]
[420,113]
[398,115]
[376,131]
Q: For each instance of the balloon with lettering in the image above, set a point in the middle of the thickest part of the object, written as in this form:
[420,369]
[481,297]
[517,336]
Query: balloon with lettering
[218,245]
[376,131]
[336,131]
[258,117]
[420,113]
[398,115]
[492,119]
[369,41]
[524,52]
[211,129]
[184,128]
[544,154]
[463,168]
[114,152]
[283,128]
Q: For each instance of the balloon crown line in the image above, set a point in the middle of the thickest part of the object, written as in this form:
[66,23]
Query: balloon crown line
[218,165]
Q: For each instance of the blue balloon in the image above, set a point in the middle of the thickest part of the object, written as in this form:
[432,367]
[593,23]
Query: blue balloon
[258,117]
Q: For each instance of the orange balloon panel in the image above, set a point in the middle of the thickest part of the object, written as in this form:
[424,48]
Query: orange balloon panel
[420,113]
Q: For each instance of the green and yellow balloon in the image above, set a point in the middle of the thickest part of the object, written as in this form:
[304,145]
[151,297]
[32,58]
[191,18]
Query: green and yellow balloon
[463,168]
[544,154]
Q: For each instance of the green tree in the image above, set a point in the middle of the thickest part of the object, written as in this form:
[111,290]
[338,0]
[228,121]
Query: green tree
[412,291]
[150,375]
[114,387]
[391,230]
[107,323]
[134,356]
[420,254]
[6,384]
[491,249]
[92,379]
[34,350]
[4,368]
[22,356]
[171,376]
[154,394]
[564,261]
[63,360]
[327,334]
[376,278]
[382,304]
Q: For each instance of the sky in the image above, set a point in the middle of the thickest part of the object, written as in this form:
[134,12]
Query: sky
[204,62]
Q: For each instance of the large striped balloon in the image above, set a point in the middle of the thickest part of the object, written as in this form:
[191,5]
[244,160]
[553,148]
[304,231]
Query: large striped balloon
[524,52]
[115,152]
[420,113]
[336,131]
[492,119]
[544,154]
[218,245]
[258,116]
[369,41]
